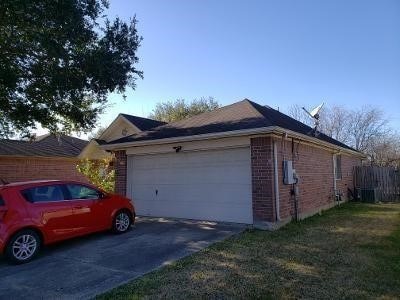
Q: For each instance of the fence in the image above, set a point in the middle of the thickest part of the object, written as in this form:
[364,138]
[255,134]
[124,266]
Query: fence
[375,184]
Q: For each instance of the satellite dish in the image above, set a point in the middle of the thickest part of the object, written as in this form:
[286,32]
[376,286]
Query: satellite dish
[315,111]
[314,114]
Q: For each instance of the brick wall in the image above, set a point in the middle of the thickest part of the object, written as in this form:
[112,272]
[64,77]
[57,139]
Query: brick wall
[314,167]
[262,179]
[14,169]
[120,172]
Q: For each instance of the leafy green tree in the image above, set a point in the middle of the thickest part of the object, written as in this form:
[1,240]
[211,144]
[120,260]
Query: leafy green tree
[99,173]
[59,59]
[179,109]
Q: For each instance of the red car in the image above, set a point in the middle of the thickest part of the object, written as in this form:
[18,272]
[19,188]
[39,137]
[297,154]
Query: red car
[38,213]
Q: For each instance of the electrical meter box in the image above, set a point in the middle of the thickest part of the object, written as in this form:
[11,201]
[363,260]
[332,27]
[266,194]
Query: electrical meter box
[288,172]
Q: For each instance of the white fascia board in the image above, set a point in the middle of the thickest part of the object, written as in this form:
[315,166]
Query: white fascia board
[110,127]
[235,133]
[319,142]
[105,132]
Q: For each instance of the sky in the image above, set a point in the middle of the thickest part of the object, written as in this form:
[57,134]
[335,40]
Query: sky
[277,53]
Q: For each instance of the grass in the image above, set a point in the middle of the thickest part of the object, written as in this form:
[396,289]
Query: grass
[351,251]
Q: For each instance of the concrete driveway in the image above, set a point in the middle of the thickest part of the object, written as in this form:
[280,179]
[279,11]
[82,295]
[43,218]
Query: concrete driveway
[84,267]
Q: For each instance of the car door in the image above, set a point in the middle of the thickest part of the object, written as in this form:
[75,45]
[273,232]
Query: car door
[48,208]
[83,200]
[102,211]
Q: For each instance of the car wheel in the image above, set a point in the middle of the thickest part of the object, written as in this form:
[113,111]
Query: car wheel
[23,246]
[122,222]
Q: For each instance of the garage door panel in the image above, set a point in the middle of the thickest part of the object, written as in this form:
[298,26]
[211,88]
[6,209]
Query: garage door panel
[208,185]
[190,211]
[198,166]
[207,194]
[210,190]
[199,158]
[195,175]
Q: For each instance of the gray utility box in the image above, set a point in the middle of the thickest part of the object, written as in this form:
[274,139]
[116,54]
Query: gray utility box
[289,176]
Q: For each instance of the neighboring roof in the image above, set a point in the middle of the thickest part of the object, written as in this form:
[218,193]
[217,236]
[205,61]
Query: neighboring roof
[48,146]
[143,123]
[238,116]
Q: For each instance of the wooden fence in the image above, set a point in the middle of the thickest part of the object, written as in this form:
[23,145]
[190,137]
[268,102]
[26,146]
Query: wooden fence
[375,184]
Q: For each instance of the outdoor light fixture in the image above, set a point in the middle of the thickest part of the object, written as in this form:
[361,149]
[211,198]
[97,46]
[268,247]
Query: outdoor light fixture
[177,148]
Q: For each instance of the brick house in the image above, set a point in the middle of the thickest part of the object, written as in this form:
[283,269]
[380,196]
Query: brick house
[48,157]
[243,163]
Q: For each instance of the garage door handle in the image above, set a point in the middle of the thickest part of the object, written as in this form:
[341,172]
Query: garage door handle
[156,192]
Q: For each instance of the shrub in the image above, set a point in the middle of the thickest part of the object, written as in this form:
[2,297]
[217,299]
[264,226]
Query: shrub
[99,172]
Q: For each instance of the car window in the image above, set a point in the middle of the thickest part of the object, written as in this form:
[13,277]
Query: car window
[44,193]
[77,191]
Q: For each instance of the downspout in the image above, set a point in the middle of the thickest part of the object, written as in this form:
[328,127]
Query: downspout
[276,183]
[334,177]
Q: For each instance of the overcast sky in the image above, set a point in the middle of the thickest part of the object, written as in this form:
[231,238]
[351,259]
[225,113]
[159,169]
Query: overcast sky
[273,52]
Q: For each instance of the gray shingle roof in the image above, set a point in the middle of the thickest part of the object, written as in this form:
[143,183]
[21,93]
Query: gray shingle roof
[49,146]
[142,123]
[238,116]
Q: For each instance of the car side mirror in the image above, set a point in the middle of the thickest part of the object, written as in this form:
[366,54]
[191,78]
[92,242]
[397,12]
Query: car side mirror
[102,195]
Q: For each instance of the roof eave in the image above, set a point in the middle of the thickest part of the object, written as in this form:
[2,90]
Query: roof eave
[234,133]
[317,141]
[188,138]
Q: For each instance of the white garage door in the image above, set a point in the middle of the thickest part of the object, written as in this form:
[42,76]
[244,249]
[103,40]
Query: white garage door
[203,185]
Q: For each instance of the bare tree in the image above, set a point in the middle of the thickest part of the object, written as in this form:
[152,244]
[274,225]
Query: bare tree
[335,122]
[385,151]
[367,125]
[365,129]
[296,112]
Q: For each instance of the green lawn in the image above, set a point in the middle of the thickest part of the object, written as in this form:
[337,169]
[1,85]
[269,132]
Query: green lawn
[351,251]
